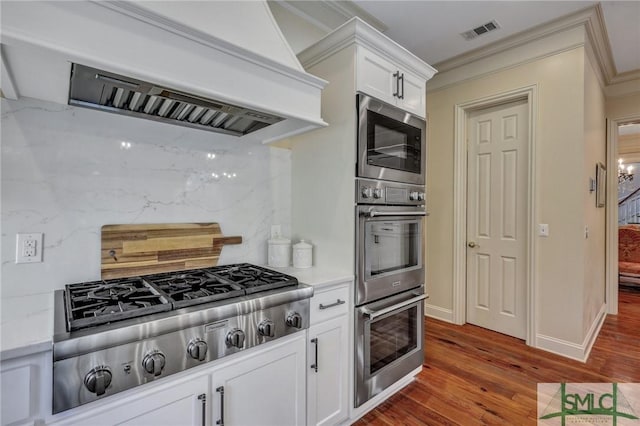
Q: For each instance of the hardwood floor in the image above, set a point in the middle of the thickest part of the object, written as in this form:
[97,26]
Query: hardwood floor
[474,376]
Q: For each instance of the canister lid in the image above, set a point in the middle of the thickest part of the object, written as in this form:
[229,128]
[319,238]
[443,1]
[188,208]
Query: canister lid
[302,245]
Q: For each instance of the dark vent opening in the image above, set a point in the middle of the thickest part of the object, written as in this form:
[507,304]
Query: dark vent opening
[480,30]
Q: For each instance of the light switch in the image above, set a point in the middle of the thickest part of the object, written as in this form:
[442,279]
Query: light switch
[543,229]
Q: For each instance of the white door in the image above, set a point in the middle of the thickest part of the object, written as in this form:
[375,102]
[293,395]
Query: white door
[496,218]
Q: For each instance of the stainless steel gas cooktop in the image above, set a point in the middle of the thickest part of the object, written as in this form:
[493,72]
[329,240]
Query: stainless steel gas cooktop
[115,334]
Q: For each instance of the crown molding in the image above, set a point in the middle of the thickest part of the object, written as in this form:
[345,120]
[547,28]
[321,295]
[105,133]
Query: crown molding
[328,15]
[358,32]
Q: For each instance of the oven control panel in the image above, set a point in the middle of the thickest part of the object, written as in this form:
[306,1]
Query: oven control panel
[370,191]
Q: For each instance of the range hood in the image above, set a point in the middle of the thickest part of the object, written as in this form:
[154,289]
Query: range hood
[102,90]
[190,63]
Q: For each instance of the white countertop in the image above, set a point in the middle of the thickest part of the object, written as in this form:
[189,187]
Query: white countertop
[27,325]
[316,276]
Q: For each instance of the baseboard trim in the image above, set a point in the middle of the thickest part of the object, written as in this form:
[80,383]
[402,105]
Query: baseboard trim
[579,352]
[439,313]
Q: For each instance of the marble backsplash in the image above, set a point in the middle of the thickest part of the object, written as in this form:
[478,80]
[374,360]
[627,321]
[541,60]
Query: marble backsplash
[67,171]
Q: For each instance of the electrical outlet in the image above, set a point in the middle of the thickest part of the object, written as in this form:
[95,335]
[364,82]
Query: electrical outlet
[29,248]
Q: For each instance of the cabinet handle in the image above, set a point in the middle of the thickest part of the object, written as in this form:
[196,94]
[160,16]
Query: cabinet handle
[396,75]
[315,365]
[338,302]
[203,400]
[401,78]
[221,420]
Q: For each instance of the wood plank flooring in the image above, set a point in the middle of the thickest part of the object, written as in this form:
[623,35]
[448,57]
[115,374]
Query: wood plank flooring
[474,376]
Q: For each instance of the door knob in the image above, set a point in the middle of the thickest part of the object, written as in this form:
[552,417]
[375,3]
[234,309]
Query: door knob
[472,244]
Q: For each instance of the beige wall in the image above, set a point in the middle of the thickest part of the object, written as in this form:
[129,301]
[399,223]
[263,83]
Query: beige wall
[623,106]
[559,180]
[299,32]
[595,152]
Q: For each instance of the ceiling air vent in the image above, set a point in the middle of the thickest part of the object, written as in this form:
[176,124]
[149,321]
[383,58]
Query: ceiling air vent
[482,29]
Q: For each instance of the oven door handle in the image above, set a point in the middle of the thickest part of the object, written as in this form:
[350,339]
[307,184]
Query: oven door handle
[374,213]
[375,314]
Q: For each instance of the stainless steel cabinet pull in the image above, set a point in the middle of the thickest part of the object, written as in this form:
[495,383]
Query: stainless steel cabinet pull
[221,420]
[338,302]
[396,75]
[401,78]
[315,365]
[375,314]
[203,400]
[374,213]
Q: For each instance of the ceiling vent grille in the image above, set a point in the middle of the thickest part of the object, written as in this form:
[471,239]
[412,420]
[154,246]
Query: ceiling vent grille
[481,30]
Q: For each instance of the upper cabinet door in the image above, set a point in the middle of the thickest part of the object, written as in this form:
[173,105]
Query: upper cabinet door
[378,77]
[375,76]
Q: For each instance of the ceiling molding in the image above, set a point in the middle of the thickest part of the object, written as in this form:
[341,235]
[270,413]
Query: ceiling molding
[598,45]
[329,15]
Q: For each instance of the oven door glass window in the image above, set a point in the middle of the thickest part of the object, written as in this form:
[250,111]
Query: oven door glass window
[392,246]
[392,144]
[391,338]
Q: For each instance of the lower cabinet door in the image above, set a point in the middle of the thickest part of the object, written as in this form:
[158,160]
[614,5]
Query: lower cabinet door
[265,389]
[183,402]
[327,377]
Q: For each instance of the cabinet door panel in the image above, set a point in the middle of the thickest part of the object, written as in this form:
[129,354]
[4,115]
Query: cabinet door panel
[328,387]
[375,76]
[414,95]
[266,389]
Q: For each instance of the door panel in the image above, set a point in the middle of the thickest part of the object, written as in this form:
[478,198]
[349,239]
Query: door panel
[496,218]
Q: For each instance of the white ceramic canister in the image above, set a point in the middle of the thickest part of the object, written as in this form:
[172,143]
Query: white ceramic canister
[279,252]
[302,255]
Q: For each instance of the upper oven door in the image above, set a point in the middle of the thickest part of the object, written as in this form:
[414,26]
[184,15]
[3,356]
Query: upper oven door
[391,143]
[390,251]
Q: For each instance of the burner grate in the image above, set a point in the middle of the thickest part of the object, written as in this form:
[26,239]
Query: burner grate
[101,302]
[189,288]
[253,278]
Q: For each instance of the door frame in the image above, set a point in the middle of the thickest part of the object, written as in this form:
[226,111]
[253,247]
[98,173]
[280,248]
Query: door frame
[611,250]
[462,110]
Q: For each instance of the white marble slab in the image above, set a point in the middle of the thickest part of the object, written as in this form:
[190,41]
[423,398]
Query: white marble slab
[67,171]
[317,276]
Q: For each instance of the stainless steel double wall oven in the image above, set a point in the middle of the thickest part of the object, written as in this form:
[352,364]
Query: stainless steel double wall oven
[390,194]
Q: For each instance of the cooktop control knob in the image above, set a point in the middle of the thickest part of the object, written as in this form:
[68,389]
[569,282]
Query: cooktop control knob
[266,328]
[421,196]
[413,195]
[235,338]
[377,193]
[197,349]
[153,363]
[367,192]
[98,379]
[294,320]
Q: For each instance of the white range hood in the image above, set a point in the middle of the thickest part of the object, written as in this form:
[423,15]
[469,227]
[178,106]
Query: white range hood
[226,53]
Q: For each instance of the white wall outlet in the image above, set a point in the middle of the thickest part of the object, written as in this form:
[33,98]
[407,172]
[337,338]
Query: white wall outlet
[29,248]
[543,229]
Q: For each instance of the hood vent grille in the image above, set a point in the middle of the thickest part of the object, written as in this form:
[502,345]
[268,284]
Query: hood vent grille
[96,89]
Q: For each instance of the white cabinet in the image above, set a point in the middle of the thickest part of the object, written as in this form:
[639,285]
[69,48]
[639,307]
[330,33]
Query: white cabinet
[176,402]
[25,389]
[265,389]
[385,80]
[328,357]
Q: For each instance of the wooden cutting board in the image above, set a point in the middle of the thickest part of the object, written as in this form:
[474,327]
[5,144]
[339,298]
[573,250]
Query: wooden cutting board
[132,250]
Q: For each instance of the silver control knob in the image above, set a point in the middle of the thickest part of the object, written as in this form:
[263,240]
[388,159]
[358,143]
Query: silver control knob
[98,379]
[235,338]
[197,349]
[266,328]
[377,193]
[413,195]
[294,320]
[153,363]
[421,196]
[367,192]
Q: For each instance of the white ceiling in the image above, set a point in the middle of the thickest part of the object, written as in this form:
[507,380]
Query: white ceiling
[431,29]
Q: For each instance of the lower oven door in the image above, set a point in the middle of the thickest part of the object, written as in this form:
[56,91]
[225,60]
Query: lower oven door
[389,342]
